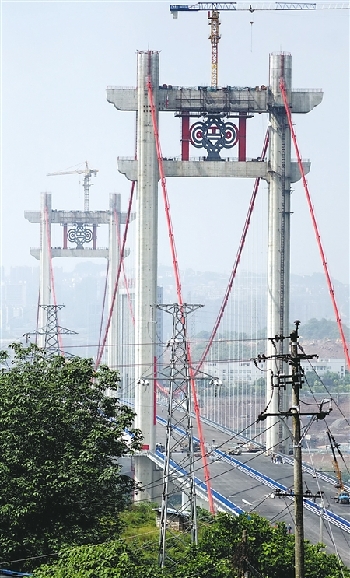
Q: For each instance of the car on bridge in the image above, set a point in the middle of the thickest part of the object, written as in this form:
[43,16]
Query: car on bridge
[251,448]
[236,451]
[196,446]
[343,497]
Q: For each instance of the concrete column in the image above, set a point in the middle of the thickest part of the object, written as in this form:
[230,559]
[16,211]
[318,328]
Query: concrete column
[45,278]
[113,264]
[146,266]
[65,236]
[278,244]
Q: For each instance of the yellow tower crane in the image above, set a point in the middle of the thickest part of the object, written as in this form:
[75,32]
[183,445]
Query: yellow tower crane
[343,496]
[86,184]
[214,8]
[214,37]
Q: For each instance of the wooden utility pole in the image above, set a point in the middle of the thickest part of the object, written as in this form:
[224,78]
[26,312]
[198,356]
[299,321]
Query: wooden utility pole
[298,472]
[295,379]
[244,573]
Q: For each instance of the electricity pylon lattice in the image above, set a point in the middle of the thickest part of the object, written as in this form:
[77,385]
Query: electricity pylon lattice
[179,445]
[52,330]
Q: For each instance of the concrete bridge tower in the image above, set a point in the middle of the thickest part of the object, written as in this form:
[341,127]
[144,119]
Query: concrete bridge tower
[213,133]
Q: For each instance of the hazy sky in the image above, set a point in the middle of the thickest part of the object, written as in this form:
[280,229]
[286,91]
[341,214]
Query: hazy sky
[57,60]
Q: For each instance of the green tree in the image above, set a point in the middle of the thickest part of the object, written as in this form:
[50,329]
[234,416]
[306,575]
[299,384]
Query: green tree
[114,559]
[221,553]
[329,380]
[227,346]
[321,329]
[61,437]
[270,549]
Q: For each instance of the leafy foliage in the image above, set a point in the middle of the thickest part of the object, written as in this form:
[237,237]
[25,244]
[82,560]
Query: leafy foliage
[228,345]
[115,559]
[321,329]
[268,552]
[328,380]
[60,438]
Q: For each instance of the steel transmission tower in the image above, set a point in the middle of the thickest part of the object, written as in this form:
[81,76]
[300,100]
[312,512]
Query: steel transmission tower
[179,437]
[52,331]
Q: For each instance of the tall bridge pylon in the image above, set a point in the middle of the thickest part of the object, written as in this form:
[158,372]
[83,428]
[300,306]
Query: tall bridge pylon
[213,131]
[79,240]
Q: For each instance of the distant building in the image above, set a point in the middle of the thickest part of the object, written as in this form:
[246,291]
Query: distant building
[230,372]
[126,341]
[322,366]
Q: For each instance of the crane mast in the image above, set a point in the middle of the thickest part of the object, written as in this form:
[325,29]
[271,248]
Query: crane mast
[214,37]
[214,9]
[86,183]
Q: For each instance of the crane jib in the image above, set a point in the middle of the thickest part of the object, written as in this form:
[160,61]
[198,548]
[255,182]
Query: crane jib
[243,6]
[255,6]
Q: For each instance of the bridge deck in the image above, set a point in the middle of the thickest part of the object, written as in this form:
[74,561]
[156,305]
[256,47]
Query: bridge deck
[232,480]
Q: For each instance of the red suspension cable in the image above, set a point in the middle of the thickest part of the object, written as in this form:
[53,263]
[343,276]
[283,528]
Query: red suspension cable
[179,292]
[314,222]
[103,306]
[236,263]
[165,195]
[101,349]
[116,221]
[126,285]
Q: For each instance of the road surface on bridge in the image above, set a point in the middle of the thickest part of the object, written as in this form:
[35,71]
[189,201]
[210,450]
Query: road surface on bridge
[250,495]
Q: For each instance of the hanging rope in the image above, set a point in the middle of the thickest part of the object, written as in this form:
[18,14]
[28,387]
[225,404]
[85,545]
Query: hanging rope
[103,306]
[315,226]
[236,263]
[125,280]
[115,289]
[179,291]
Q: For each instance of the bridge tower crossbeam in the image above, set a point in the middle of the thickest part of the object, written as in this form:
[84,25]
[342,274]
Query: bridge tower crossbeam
[213,106]
[83,231]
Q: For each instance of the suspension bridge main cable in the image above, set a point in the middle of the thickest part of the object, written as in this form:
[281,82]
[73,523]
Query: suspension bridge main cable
[116,223]
[178,287]
[236,263]
[314,222]
[103,306]
[101,349]
[126,285]
[121,258]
